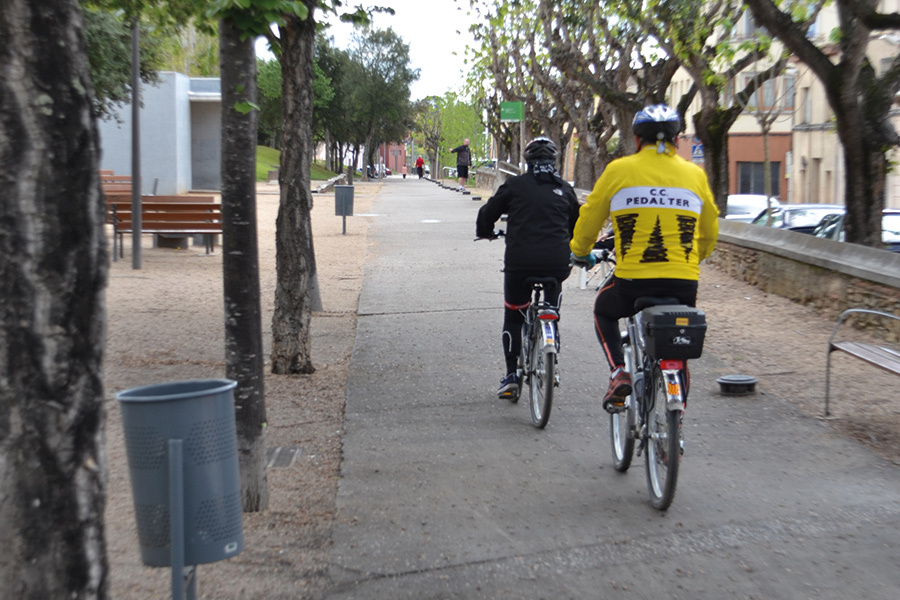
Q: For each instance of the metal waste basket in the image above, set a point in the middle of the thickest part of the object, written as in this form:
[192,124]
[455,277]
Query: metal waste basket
[181,437]
[343,203]
[343,200]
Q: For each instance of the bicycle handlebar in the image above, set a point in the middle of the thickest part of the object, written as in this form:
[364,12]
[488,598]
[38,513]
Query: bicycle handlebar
[497,233]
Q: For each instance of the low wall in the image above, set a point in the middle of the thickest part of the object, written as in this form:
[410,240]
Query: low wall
[490,178]
[831,276]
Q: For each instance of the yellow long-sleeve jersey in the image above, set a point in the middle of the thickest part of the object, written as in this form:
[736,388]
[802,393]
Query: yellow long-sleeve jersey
[663,214]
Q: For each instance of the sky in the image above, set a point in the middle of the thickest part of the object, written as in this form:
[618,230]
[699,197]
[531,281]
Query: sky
[434,29]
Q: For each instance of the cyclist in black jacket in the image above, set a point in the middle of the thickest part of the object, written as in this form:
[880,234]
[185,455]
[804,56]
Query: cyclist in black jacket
[542,210]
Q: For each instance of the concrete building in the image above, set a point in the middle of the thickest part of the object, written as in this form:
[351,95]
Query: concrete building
[180,136]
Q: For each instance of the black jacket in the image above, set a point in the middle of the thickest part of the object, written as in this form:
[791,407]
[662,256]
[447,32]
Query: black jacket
[463,156]
[541,219]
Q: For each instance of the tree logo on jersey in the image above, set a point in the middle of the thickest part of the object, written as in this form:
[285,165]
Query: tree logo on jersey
[686,226]
[656,249]
[625,224]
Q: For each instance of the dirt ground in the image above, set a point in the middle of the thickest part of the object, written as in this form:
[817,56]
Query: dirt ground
[165,324]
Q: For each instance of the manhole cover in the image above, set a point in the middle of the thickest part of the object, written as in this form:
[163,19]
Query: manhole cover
[737,385]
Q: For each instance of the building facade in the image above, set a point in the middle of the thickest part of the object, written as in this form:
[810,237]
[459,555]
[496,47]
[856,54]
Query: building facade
[804,149]
[180,131]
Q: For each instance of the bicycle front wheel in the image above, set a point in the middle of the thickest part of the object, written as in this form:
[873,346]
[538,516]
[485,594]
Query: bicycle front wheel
[543,363]
[621,424]
[663,445]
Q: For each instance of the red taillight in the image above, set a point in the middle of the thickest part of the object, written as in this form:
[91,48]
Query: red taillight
[671,365]
[548,317]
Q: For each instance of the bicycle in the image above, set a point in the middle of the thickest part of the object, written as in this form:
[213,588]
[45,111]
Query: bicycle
[538,357]
[606,264]
[658,340]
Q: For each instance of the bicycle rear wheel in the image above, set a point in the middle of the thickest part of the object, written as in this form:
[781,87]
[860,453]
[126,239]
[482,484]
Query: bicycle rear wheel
[663,455]
[543,363]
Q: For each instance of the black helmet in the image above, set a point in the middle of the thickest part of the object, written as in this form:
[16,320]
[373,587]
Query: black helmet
[540,147]
[657,123]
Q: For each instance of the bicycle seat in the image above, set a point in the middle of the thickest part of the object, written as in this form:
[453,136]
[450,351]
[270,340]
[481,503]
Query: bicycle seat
[648,301]
[532,282]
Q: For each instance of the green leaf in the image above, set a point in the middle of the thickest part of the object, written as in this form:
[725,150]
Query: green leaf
[245,107]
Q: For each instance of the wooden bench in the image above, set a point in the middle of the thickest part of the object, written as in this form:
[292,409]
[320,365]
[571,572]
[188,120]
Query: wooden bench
[115,187]
[189,215]
[884,357]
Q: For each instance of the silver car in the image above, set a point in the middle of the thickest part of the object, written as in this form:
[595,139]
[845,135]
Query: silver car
[802,218]
[746,207]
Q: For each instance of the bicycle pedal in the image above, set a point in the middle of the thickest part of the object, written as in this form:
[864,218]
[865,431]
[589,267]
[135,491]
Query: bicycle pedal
[511,396]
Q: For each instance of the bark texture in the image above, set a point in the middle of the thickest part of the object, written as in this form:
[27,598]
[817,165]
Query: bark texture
[244,359]
[53,269]
[295,260]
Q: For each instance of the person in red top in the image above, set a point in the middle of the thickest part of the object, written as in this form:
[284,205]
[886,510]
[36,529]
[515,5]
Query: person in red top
[420,166]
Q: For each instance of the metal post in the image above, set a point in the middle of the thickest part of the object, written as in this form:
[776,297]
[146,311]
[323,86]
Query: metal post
[176,518]
[136,221]
[522,142]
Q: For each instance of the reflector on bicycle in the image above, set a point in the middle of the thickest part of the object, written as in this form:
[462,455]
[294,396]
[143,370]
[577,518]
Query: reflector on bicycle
[667,365]
[548,315]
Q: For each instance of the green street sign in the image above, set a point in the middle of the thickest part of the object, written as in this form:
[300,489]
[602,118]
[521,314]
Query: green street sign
[512,112]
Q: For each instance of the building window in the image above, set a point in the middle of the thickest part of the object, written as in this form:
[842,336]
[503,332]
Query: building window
[806,114]
[751,178]
[790,91]
[751,28]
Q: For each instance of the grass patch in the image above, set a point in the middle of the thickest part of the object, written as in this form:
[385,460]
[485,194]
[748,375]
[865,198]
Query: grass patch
[269,159]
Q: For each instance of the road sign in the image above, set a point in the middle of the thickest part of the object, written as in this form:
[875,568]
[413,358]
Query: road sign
[512,112]
[697,153]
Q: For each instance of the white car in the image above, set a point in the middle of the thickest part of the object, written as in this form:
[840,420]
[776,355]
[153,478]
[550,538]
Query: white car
[746,207]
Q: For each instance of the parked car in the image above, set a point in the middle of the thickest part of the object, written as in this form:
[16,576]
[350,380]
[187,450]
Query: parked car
[387,171]
[802,218]
[832,228]
[745,207]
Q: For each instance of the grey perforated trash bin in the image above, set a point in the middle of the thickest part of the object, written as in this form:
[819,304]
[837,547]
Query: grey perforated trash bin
[198,416]
[343,203]
[343,200]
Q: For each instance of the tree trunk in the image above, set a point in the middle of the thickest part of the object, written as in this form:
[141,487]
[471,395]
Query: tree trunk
[295,260]
[586,174]
[53,271]
[865,166]
[240,262]
[711,126]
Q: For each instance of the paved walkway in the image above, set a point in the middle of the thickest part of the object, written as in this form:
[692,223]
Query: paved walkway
[447,492]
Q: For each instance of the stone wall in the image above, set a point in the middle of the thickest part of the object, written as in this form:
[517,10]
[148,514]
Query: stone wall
[830,276]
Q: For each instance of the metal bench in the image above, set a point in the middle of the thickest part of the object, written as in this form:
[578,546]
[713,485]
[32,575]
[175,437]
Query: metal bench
[883,357]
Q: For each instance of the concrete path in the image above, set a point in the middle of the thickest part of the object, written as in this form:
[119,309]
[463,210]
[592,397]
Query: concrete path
[447,492]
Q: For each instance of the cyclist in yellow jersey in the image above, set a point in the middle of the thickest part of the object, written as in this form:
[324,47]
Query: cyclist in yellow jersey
[664,221]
